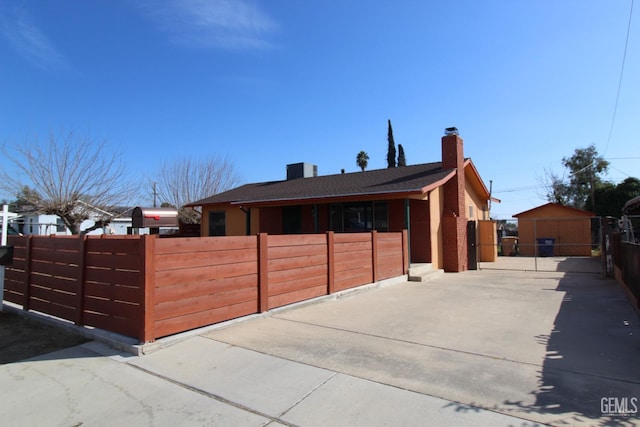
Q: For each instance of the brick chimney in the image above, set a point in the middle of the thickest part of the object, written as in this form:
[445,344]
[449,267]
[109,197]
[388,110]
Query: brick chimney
[454,232]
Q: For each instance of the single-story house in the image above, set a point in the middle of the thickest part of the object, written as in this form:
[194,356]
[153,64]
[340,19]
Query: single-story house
[436,202]
[556,230]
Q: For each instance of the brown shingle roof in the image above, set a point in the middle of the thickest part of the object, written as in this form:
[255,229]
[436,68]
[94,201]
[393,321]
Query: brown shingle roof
[407,179]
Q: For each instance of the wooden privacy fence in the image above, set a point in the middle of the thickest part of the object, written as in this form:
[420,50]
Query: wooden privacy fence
[148,287]
[626,266]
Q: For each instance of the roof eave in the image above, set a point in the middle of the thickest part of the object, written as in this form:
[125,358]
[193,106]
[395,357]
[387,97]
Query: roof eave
[322,198]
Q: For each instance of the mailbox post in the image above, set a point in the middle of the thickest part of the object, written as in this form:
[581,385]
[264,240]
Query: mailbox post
[3,240]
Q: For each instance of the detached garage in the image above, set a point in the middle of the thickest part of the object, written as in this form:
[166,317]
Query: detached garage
[554,230]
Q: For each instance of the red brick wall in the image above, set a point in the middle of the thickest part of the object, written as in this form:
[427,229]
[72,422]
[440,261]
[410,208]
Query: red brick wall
[455,244]
[454,215]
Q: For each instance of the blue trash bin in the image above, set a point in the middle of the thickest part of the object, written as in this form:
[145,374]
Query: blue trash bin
[545,246]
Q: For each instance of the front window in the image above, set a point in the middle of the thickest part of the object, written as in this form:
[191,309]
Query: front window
[217,223]
[358,217]
[292,219]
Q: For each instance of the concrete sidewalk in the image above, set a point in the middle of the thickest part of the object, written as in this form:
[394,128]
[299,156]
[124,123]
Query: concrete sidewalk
[203,382]
[483,348]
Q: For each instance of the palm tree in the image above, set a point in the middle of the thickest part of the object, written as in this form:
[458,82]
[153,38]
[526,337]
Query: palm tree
[362,160]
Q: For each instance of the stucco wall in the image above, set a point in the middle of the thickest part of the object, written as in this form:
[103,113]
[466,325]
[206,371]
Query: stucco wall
[478,206]
[235,221]
[436,206]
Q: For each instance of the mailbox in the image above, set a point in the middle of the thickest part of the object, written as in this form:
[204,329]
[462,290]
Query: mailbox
[6,255]
[154,217]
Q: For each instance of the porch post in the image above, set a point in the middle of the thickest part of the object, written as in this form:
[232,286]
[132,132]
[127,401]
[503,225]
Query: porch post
[407,226]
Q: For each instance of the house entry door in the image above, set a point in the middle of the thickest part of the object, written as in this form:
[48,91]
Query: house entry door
[472,254]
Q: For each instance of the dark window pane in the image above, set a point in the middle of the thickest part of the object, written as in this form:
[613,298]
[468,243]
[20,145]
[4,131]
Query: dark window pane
[292,219]
[380,216]
[217,223]
[335,218]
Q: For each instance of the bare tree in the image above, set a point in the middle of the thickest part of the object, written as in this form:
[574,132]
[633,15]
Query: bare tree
[187,180]
[71,176]
[554,188]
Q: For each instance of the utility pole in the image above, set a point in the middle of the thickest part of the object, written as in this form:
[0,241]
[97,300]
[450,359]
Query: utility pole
[593,192]
[490,191]
[155,194]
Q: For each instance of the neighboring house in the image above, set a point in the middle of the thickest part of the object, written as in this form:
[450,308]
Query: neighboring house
[433,201]
[561,230]
[11,230]
[29,223]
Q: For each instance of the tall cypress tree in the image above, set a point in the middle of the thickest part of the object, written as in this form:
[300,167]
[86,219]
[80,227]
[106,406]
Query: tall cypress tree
[391,151]
[402,161]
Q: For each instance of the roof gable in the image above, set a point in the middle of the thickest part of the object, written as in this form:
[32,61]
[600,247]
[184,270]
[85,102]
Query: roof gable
[474,180]
[548,207]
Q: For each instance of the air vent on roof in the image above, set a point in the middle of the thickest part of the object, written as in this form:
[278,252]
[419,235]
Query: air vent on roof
[301,170]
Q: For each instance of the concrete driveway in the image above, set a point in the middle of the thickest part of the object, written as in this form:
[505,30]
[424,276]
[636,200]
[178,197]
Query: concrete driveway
[544,347]
[480,348]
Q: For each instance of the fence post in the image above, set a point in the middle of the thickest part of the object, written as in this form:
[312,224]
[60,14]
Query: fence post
[147,283]
[27,273]
[374,255]
[535,243]
[405,251]
[331,267]
[82,274]
[263,273]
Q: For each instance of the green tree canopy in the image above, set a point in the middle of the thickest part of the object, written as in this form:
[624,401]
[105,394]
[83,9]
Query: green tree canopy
[585,167]
[610,198]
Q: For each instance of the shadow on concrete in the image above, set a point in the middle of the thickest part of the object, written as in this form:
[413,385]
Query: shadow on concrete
[591,265]
[591,356]
[591,369]
[30,336]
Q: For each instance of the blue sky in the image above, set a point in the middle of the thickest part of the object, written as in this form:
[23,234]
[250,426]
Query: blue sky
[268,83]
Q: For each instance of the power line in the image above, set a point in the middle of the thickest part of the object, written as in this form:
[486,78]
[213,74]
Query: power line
[513,190]
[535,187]
[624,57]
[621,158]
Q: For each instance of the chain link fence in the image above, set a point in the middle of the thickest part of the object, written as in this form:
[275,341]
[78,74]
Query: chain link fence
[548,244]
